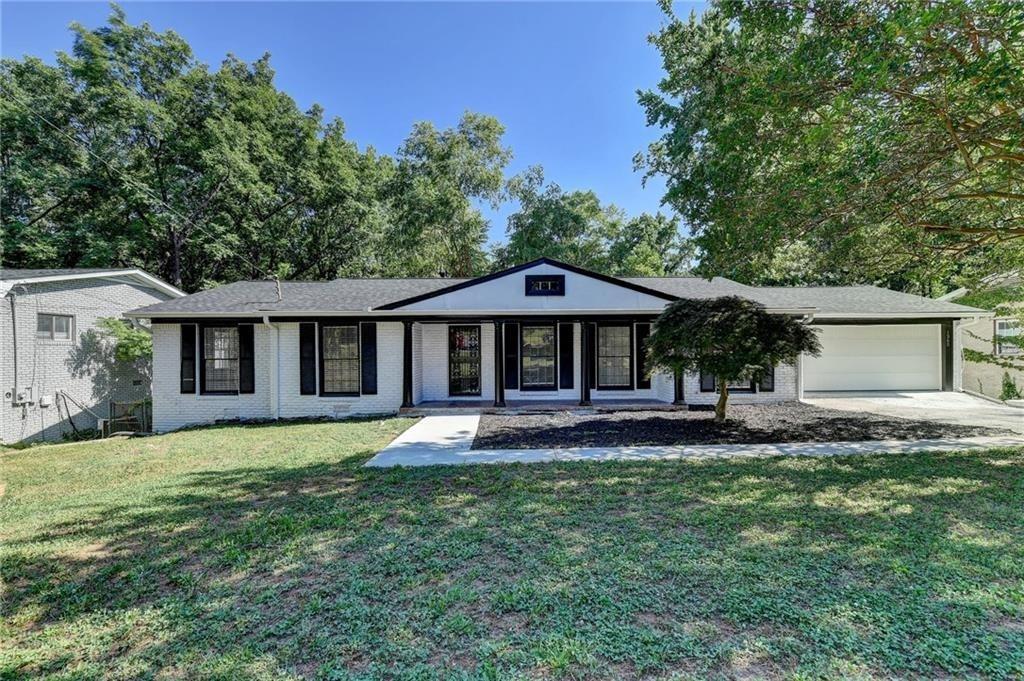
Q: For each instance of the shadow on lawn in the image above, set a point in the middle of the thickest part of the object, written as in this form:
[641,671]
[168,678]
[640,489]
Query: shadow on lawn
[879,564]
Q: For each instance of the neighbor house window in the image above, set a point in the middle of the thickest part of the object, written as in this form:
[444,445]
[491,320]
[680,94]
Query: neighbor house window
[341,360]
[614,350]
[538,357]
[1008,329]
[220,359]
[55,326]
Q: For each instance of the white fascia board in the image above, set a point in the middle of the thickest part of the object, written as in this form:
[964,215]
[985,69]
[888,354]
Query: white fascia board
[896,316]
[385,314]
[139,275]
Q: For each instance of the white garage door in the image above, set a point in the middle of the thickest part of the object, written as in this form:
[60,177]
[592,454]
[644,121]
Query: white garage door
[879,357]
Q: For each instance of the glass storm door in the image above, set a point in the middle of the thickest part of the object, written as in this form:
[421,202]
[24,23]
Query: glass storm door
[463,360]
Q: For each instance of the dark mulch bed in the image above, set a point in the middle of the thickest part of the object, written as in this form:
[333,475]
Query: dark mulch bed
[747,424]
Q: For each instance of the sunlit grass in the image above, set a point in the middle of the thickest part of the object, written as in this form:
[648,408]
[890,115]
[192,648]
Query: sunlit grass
[270,552]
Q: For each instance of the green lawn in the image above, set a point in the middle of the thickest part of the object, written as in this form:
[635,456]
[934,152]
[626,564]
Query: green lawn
[269,552]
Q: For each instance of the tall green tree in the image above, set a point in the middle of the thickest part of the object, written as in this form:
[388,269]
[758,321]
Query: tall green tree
[129,151]
[439,177]
[577,228]
[885,136]
[570,226]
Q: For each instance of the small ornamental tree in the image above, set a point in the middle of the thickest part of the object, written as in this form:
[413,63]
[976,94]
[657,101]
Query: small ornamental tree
[733,338]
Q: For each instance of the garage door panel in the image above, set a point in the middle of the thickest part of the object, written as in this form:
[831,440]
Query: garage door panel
[877,357]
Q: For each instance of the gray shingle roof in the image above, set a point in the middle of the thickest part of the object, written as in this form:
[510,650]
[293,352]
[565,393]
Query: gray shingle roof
[692,287]
[858,300]
[340,295]
[358,295]
[8,274]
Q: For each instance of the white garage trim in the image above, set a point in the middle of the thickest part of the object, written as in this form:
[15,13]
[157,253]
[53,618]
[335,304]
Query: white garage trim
[876,357]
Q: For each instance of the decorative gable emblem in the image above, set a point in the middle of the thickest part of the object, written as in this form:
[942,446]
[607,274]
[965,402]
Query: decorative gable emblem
[545,284]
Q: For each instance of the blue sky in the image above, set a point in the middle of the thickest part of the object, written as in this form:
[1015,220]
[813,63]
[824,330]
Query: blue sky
[562,77]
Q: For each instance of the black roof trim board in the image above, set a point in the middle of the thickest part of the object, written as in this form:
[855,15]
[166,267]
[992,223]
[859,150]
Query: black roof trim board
[525,266]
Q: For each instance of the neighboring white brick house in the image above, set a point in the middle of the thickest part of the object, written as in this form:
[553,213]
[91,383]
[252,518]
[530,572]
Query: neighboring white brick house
[73,358]
[540,332]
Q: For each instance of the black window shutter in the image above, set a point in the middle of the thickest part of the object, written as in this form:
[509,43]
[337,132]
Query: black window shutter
[768,380]
[246,360]
[307,358]
[565,363]
[707,382]
[368,357]
[188,358]
[643,377]
[590,338]
[512,356]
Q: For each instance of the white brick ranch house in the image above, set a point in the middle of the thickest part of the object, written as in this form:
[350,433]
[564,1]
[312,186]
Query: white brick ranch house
[543,331]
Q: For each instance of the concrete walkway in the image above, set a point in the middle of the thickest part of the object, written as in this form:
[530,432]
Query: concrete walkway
[439,440]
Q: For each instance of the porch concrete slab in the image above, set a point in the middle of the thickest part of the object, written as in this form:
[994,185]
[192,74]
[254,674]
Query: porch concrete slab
[446,440]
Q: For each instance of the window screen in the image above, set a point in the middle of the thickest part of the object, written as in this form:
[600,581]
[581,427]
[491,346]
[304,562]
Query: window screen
[54,326]
[538,357]
[220,357]
[613,356]
[341,359]
[1007,329]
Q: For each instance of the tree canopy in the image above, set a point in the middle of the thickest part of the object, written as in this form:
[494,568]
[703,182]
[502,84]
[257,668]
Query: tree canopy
[841,141]
[575,227]
[730,337]
[128,151]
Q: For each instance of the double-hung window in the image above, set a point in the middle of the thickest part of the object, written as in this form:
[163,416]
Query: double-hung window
[1008,337]
[220,359]
[614,357]
[340,353]
[55,326]
[538,356]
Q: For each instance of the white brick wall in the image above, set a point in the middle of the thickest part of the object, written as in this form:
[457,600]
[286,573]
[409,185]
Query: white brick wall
[430,371]
[786,379]
[434,353]
[51,365]
[172,409]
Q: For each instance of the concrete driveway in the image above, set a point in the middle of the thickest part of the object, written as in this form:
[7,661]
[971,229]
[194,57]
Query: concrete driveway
[945,407]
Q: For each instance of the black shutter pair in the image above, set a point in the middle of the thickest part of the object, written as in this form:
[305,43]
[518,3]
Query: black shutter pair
[246,359]
[367,358]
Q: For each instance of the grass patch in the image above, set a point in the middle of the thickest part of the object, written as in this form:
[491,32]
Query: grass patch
[269,552]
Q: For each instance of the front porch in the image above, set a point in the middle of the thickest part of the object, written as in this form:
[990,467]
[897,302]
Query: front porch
[531,364]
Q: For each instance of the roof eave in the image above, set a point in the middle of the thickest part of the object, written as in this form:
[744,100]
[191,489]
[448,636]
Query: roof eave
[145,277]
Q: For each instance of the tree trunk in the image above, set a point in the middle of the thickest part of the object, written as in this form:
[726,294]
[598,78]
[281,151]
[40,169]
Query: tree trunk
[723,397]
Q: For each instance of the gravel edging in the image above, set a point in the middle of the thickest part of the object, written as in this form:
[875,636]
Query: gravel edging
[747,424]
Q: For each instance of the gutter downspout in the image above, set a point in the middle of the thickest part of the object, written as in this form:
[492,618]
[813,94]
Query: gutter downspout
[14,331]
[275,367]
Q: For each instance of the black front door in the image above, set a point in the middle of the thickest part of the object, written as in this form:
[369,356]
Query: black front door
[463,360]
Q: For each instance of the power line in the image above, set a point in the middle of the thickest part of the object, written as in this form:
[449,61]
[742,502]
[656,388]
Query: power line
[127,180]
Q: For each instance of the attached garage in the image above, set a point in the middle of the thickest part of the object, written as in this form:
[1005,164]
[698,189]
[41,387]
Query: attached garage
[876,357]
